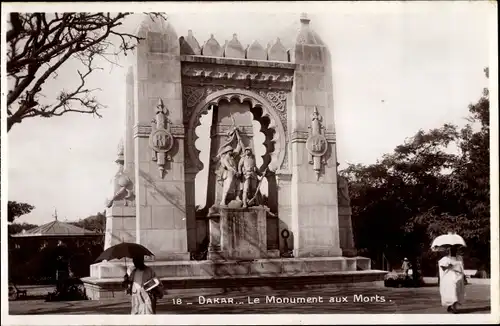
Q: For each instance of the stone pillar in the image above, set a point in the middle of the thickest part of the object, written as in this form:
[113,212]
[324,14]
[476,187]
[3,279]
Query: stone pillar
[315,224]
[191,211]
[129,124]
[346,234]
[120,225]
[285,212]
[160,182]
[345,222]
[120,217]
[214,246]
[120,211]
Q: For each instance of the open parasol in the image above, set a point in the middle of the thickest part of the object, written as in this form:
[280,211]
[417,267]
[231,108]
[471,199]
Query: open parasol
[124,250]
[447,240]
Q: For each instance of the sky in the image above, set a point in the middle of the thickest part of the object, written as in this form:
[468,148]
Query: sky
[397,69]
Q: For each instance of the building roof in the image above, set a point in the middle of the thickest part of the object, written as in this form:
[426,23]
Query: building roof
[54,229]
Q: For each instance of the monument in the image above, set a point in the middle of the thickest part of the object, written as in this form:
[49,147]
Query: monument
[274,204]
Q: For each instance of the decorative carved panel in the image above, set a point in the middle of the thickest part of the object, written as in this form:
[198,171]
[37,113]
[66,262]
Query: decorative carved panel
[278,103]
[273,106]
[207,81]
[197,74]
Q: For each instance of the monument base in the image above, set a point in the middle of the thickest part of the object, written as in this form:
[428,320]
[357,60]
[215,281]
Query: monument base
[216,255]
[349,252]
[238,233]
[106,278]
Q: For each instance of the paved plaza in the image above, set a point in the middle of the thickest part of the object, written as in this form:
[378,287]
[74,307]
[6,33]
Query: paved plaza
[424,300]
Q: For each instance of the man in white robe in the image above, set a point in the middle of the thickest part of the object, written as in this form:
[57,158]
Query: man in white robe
[451,280]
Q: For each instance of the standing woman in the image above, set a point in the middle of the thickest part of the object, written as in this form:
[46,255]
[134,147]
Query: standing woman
[406,267]
[451,280]
[143,302]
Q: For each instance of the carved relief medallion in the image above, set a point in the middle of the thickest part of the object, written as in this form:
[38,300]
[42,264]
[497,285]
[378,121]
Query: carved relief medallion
[161,140]
[316,143]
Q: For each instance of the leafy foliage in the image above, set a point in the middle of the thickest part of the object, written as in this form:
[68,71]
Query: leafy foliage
[423,189]
[39,44]
[93,223]
[15,228]
[16,209]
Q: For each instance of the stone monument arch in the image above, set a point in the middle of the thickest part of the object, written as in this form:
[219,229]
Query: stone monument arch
[172,83]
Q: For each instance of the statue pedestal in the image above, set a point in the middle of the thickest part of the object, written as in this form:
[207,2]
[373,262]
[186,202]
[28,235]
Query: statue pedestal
[239,234]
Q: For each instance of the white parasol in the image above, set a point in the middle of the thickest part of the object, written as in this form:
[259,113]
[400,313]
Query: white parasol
[446,240]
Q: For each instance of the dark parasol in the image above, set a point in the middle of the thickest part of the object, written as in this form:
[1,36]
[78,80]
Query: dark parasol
[124,250]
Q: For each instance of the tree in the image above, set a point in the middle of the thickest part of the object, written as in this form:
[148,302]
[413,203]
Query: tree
[421,190]
[16,228]
[386,195]
[93,223]
[16,209]
[38,44]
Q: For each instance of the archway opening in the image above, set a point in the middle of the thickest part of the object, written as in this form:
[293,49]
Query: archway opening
[211,131]
[256,131]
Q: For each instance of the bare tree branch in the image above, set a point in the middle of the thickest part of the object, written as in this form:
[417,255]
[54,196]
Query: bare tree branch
[38,44]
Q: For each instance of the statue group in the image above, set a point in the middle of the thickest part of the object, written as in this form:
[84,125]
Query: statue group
[238,172]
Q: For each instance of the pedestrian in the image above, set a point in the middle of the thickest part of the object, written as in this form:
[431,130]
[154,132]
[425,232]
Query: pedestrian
[451,280]
[406,267]
[143,302]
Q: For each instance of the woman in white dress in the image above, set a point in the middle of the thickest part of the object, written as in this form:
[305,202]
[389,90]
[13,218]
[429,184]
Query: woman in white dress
[143,302]
[451,280]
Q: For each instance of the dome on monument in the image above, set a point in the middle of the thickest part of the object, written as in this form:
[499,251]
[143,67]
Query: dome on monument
[155,25]
[193,43]
[306,34]
[276,51]
[256,51]
[160,36]
[234,49]
[212,48]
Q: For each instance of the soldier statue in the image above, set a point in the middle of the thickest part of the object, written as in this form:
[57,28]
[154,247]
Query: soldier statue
[228,171]
[228,166]
[247,168]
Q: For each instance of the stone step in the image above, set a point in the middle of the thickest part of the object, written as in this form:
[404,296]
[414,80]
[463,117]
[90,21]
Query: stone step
[111,287]
[231,268]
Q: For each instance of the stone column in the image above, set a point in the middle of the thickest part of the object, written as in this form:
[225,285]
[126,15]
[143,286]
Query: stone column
[315,224]
[129,124]
[161,205]
[346,233]
[191,210]
[285,212]
[120,217]
[120,225]
[345,222]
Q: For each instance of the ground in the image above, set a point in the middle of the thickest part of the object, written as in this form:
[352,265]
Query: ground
[424,300]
